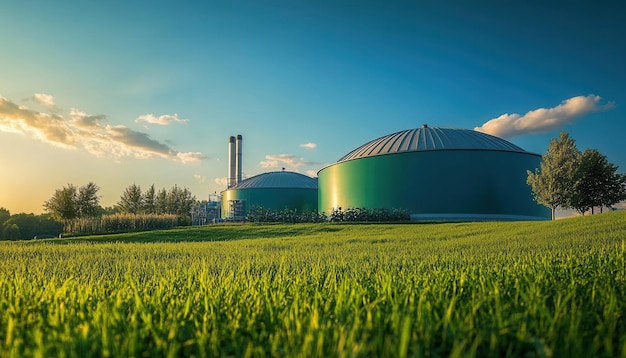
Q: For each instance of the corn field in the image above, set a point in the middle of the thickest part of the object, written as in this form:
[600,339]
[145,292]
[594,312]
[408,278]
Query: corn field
[118,223]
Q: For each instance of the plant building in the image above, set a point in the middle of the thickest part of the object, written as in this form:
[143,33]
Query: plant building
[436,174]
[274,190]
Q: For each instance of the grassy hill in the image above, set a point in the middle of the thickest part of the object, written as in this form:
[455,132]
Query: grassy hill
[431,289]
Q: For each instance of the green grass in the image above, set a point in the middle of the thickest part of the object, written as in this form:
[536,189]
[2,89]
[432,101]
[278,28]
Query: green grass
[453,289]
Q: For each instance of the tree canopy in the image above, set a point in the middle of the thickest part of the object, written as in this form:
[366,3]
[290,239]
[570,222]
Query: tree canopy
[551,182]
[568,179]
[71,202]
[176,200]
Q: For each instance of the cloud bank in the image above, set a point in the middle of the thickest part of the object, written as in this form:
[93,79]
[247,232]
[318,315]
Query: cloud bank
[161,120]
[289,162]
[280,160]
[89,132]
[542,120]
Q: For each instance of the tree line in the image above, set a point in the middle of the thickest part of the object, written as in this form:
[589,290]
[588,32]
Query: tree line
[27,226]
[72,206]
[570,179]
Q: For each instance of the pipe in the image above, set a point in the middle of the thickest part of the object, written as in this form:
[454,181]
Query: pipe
[231,162]
[238,162]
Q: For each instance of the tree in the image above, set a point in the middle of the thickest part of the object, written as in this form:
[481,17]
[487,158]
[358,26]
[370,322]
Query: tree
[160,202]
[71,202]
[62,206]
[4,216]
[149,199]
[616,189]
[31,225]
[180,201]
[593,172]
[552,182]
[130,201]
[10,232]
[88,201]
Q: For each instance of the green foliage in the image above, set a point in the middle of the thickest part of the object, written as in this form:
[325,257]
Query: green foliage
[62,205]
[4,215]
[10,231]
[568,179]
[27,226]
[316,290]
[131,200]
[259,214]
[552,183]
[593,179]
[369,215]
[176,201]
[88,201]
[149,201]
[71,202]
[117,223]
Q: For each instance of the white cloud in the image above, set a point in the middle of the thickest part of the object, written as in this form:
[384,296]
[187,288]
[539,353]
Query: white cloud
[276,161]
[44,99]
[200,178]
[288,161]
[312,173]
[308,145]
[223,181]
[542,120]
[162,120]
[88,132]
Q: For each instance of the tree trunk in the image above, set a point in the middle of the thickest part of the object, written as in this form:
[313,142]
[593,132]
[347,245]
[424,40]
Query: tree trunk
[553,212]
[592,210]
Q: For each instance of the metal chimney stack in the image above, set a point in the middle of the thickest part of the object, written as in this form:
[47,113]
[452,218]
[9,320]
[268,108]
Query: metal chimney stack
[238,163]
[231,180]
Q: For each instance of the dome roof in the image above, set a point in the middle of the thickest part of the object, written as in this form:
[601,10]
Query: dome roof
[281,179]
[431,138]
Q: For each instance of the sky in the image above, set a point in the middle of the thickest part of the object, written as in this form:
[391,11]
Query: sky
[148,92]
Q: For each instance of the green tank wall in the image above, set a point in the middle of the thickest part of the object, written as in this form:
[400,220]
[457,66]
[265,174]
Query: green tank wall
[437,185]
[271,198]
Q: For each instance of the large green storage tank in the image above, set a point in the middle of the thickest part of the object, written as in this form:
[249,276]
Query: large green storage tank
[435,174]
[273,190]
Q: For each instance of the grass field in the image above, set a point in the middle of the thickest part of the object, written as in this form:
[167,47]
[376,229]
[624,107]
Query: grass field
[454,289]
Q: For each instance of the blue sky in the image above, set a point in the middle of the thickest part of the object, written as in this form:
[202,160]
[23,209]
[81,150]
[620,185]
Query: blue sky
[148,92]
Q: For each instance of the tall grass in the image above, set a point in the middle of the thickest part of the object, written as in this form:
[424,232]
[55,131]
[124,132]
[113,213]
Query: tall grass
[458,289]
[118,223]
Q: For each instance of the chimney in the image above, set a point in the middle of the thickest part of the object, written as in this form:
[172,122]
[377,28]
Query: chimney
[231,162]
[238,160]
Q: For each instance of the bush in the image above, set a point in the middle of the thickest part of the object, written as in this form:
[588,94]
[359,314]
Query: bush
[257,213]
[369,215]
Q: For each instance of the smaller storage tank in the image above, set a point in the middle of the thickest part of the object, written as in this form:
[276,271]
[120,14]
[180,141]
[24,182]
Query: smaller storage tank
[273,190]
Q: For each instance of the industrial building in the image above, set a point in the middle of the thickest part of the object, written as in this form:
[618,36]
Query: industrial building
[436,174]
[274,190]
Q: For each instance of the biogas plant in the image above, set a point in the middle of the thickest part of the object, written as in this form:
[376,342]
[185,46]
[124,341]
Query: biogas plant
[434,173]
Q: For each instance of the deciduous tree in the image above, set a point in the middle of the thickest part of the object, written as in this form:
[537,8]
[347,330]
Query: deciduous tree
[552,182]
[88,201]
[71,202]
[62,205]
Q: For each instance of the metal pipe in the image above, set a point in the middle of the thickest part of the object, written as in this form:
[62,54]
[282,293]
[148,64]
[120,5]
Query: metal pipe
[231,180]
[238,163]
